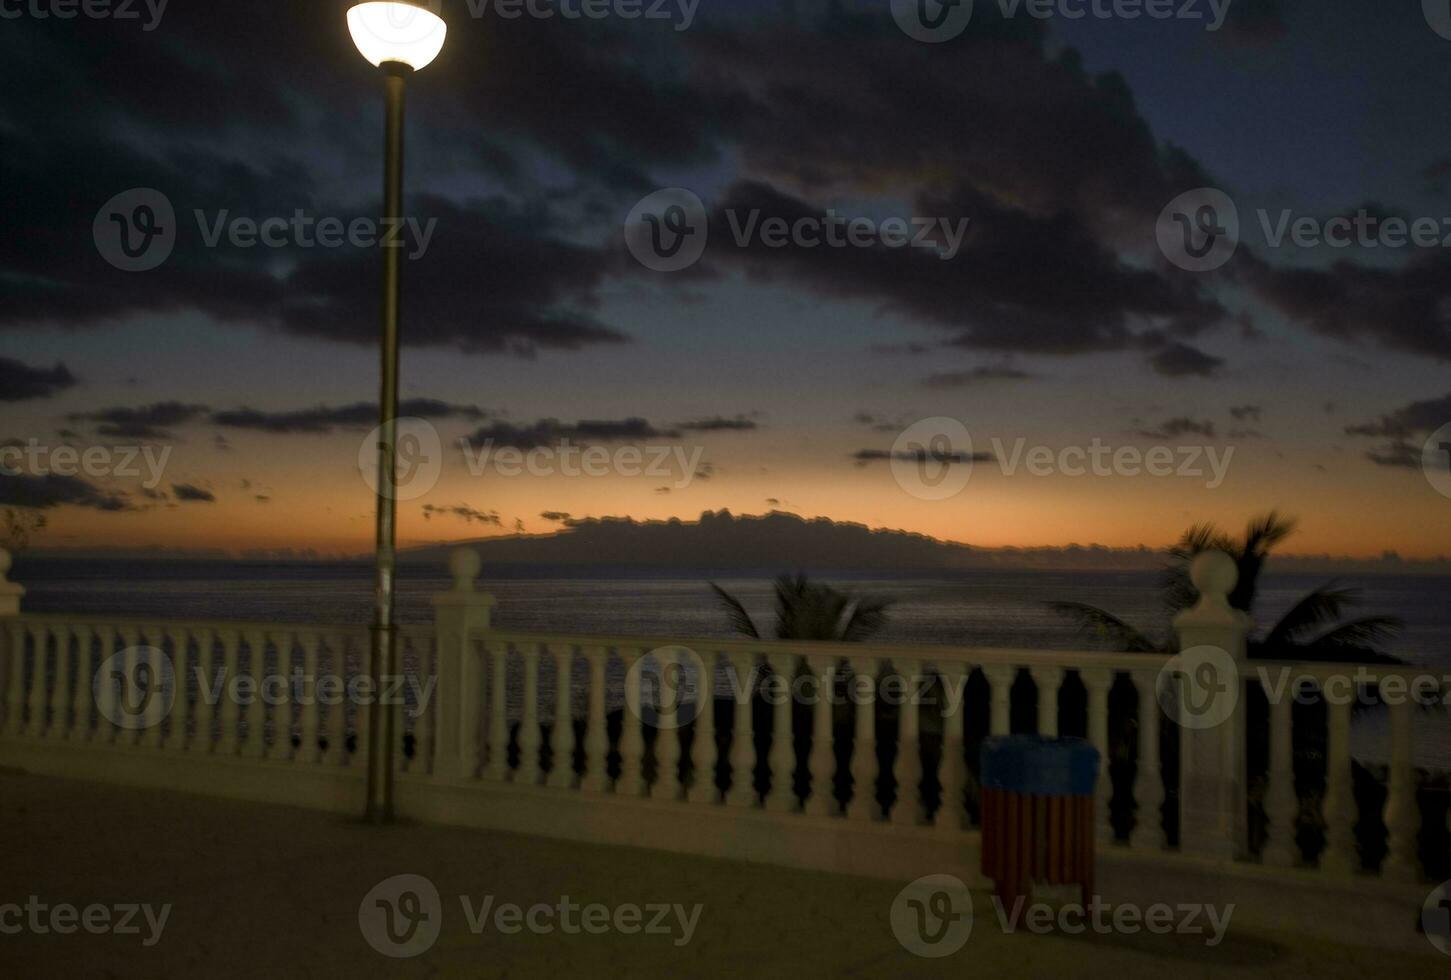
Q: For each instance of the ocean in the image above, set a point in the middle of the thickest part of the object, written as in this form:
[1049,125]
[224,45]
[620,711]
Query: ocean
[991,608]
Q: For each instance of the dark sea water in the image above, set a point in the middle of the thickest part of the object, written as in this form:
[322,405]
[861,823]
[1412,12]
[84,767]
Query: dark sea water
[990,608]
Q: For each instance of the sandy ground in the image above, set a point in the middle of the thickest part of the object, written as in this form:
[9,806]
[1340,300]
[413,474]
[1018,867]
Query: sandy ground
[264,891]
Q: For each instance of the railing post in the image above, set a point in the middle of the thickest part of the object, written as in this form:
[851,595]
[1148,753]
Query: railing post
[1280,802]
[596,777]
[1001,677]
[1211,745]
[907,766]
[632,735]
[703,754]
[14,645]
[458,614]
[1340,856]
[561,732]
[1099,682]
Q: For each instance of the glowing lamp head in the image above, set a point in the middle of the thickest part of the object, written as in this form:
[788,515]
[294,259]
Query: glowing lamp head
[397,31]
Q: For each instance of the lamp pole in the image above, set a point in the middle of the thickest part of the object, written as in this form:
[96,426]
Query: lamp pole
[382,717]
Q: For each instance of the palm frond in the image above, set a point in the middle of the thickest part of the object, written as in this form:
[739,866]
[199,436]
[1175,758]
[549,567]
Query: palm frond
[1327,604]
[739,618]
[1104,625]
[868,617]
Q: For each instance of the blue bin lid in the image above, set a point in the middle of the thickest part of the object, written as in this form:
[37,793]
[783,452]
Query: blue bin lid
[1035,765]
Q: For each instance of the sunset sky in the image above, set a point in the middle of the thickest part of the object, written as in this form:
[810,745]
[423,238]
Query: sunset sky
[1059,322]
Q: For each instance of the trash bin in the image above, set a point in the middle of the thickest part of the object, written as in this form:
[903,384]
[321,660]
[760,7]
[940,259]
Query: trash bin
[1037,813]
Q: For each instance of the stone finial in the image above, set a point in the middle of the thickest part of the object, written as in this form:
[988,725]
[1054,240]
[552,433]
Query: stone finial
[465,564]
[1214,574]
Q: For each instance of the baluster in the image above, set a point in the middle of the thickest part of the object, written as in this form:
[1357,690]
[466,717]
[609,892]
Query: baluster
[1148,829]
[104,686]
[951,816]
[255,745]
[666,708]
[561,733]
[863,805]
[498,769]
[128,660]
[60,704]
[1049,680]
[743,735]
[172,734]
[782,795]
[202,711]
[15,679]
[161,673]
[1000,721]
[907,767]
[1098,681]
[1281,803]
[330,692]
[35,723]
[424,715]
[356,712]
[703,751]
[632,738]
[229,742]
[1340,851]
[597,737]
[81,693]
[1402,814]
[307,750]
[529,737]
[280,692]
[822,801]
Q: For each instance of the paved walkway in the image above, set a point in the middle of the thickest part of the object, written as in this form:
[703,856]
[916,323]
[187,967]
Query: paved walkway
[263,891]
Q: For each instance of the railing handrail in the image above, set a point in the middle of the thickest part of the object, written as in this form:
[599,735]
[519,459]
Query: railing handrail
[239,626]
[1007,656]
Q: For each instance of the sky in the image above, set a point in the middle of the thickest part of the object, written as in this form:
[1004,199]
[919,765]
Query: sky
[849,382]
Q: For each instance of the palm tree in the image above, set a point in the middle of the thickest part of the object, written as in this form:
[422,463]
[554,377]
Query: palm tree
[1313,629]
[807,610]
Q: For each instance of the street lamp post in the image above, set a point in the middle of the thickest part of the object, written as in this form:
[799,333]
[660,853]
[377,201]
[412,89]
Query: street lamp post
[399,38]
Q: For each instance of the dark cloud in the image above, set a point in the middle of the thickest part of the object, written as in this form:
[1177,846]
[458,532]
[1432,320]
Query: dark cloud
[469,515]
[323,419]
[556,516]
[1179,360]
[865,456]
[51,490]
[1255,23]
[963,379]
[190,493]
[21,382]
[146,422]
[1246,413]
[1181,426]
[719,424]
[1405,430]
[552,432]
